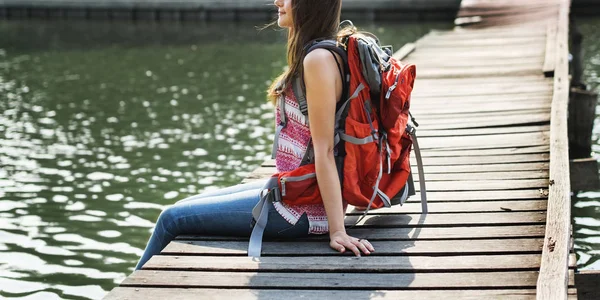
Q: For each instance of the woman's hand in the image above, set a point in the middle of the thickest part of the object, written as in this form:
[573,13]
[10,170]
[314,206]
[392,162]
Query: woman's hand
[340,241]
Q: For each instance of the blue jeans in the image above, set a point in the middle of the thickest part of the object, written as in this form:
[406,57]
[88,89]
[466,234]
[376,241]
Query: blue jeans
[226,211]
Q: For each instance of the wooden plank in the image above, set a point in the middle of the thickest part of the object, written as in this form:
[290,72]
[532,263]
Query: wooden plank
[333,281]
[406,50]
[490,41]
[490,107]
[455,207]
[481,33]
[543,149]
[445,172]
[497,53]
[493,54]
[150,293]
[512,11]
[485,168]
[484,185]
[485,195]
[536,18]
[550,57]
[415,233]
[485,141]
[481,81]
[533,86]
[554,275]
[261,173]
[372,263]
[447,233]
[481,63]
[478,71]
[502,114]
[475,97]
[474,160]
[486,103]
[451,219]
[468,168]
[477,122]
[486,176]
[320,248]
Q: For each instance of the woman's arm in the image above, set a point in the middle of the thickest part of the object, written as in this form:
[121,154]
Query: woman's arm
[323,85]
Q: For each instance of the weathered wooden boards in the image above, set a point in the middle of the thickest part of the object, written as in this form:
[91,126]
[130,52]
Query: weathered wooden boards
[277,294]
[484,107]
[552,283]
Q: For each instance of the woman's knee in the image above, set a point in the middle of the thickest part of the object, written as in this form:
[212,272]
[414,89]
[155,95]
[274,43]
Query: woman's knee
[167,220]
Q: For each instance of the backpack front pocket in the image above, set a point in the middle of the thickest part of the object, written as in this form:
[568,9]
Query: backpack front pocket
[299,186]
[360,176]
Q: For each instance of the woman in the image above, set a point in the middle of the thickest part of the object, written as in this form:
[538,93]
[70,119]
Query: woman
[229,211]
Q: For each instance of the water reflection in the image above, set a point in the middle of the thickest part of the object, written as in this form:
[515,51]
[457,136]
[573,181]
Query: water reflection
[586,206]
[103,124]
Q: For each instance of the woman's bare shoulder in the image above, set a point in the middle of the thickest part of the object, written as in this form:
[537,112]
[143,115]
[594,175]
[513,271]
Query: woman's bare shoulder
[319,60]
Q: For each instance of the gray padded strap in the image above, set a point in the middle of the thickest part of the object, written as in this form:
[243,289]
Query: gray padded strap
[359,88]
[298,89]
[389,154]
[384,197]
[260,212]
[355,140]
[423,190]
[375,191]
[281,105]
[276,141]
[336,139]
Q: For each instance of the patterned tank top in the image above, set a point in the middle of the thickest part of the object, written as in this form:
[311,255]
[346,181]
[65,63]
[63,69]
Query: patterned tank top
[294,140]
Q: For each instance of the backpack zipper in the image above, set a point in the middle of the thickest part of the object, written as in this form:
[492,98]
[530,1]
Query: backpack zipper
[393,87]
[283,180]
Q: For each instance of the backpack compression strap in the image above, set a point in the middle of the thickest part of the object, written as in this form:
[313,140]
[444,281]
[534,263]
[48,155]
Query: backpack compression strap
[423,190]
[260,214]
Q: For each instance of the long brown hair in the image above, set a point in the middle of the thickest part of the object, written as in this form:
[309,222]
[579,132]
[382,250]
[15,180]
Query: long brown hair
[313,19]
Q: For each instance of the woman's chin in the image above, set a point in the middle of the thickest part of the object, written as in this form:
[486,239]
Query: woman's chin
[282,23]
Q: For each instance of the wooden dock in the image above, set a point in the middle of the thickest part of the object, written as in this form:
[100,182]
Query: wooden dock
[491,100]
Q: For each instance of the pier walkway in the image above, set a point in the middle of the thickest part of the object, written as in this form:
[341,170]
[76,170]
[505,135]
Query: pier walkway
[491,100]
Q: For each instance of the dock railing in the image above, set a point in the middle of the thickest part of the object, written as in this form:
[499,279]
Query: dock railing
[554,271]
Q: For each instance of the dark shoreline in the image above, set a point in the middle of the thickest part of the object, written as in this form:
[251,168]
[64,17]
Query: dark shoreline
[215,10]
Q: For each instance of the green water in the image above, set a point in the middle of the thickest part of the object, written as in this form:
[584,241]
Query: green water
[104,124]
[586,206]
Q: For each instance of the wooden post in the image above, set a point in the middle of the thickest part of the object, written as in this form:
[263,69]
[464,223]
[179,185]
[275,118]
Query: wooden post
[577,51]
[586,282]
[582,112]
[584,174]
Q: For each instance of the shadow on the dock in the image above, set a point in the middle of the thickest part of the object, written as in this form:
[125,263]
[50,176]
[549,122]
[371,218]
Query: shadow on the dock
[311,266]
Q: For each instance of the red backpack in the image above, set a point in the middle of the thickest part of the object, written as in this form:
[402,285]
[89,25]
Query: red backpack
[373,137]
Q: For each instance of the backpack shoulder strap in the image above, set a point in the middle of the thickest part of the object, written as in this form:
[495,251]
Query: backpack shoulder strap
[298,84]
